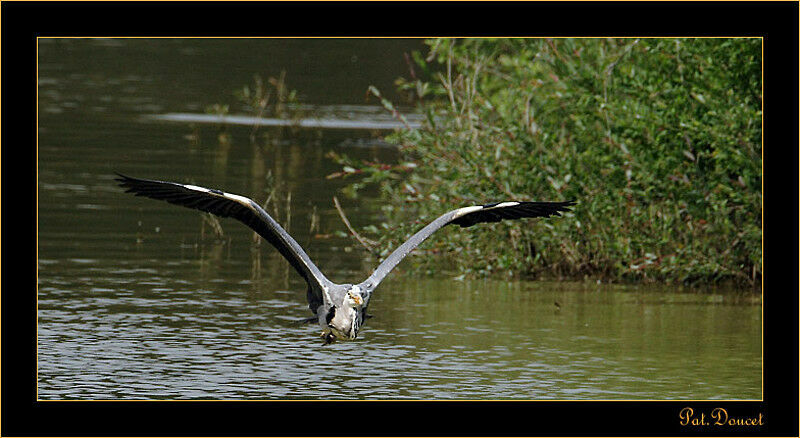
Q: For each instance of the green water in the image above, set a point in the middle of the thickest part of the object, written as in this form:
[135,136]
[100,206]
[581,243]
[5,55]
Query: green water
[137,299]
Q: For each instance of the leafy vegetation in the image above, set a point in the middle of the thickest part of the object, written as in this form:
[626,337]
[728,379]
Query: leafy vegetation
[659,141]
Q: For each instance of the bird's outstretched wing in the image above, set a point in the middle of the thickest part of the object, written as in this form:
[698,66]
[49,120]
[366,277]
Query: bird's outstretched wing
[466,217]
[238,207]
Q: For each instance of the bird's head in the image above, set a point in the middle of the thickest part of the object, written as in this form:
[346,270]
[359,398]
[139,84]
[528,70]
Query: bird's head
[353,297]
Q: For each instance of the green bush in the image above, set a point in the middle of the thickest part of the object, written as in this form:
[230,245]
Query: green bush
[659,141]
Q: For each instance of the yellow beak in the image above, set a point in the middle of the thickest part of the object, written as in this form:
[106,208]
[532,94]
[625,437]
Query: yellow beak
[357,299]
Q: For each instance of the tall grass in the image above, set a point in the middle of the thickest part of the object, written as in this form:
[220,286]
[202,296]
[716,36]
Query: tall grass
[659,140]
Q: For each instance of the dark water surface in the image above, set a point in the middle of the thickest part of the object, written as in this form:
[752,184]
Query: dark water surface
[138,300]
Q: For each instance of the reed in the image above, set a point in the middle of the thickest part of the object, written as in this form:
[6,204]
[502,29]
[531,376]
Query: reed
[659,140]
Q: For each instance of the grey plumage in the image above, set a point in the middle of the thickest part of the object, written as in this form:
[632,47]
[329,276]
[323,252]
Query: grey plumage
[340,309]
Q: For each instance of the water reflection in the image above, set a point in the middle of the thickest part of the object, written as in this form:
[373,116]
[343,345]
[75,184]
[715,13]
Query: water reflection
[173,334]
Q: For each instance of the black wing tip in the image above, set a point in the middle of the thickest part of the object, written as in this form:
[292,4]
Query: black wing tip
[562,206]
[567,204]
[531,209]
[132,183]
[124,180]
[556,205]
[121,177]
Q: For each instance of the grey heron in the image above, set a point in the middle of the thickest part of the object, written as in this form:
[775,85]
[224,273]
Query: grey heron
[339,309]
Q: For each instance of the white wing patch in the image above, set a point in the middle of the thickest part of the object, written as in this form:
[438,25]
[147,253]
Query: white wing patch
[466,210]
[503,205]
[196,188]
[237,198]
[240,199]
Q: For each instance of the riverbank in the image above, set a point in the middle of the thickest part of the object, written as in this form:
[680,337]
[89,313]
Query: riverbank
[659,141]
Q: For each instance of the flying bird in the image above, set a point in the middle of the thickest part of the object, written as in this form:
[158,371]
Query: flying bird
[340,309]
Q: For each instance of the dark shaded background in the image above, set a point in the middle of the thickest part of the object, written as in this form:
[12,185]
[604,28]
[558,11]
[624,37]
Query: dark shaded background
[22,22]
